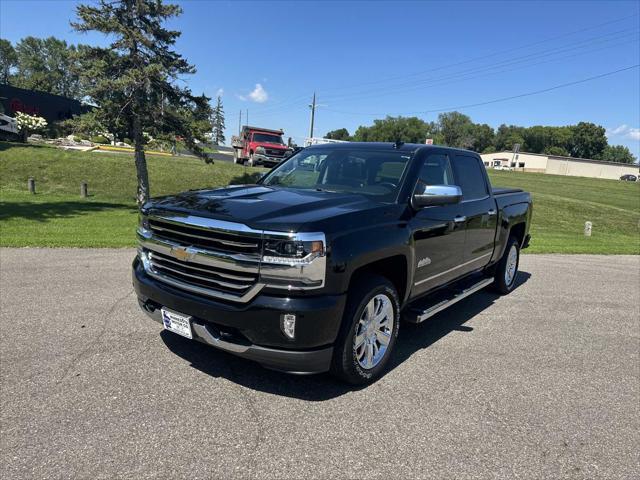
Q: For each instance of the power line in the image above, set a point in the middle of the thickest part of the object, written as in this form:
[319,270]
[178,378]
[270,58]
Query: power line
[475,72]
[463,62]
[510,61]
[466,77]
[294,102]
[497,100]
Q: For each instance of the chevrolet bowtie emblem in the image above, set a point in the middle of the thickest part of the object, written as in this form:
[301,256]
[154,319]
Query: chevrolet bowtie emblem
[182,253]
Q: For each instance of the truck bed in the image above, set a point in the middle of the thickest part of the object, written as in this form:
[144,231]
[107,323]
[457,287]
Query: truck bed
[510,196]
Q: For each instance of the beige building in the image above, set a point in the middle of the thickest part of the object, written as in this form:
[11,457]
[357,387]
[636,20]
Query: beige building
[577,167]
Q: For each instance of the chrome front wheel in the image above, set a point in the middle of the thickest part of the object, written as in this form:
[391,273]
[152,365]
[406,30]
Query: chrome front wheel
[511,266]
[373,331]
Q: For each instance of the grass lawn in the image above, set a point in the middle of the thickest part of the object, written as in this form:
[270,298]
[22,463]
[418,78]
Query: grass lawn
[57,216]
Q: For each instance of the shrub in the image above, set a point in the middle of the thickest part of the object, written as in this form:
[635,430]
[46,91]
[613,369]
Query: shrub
[29,124]
[100,139]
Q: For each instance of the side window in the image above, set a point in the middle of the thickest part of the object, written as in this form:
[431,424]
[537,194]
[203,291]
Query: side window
[436,170]
[470,177]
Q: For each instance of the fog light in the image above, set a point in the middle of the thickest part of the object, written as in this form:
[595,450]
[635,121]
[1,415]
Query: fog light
[288,325]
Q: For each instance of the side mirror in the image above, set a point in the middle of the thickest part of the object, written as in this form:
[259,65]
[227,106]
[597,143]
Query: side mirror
[436,195]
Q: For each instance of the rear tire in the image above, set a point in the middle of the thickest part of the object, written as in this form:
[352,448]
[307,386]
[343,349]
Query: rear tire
[506,272]
[369,331]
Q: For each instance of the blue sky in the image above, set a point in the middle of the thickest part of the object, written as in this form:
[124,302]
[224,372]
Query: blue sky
[368,59]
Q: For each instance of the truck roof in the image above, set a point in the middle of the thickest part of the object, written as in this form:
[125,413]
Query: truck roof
[403,147]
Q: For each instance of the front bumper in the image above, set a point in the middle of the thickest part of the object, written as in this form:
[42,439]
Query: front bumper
[264,159]
[253,330]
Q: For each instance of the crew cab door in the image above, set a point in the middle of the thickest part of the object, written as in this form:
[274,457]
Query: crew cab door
[438,234]
[479,211]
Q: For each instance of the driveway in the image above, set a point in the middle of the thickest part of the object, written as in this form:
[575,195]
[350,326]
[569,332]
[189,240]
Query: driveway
[543,383]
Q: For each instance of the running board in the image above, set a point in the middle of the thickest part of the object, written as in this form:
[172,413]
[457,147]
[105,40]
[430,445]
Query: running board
[417,315]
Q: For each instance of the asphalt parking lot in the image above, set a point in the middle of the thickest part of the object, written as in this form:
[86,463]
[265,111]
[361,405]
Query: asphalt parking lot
[543,383]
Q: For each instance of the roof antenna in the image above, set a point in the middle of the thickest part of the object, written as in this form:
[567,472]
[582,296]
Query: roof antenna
[398,144]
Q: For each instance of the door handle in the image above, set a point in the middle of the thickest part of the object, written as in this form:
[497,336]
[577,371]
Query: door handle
[492,212]
[460,219]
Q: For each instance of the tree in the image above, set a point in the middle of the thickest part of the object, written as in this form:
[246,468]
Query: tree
[617,153]
[483,137]
[391,129]
[135,79]
[8,60]
[456,129]
[507,136]
[588,141]
[218,123]
[555,150]
[48,65]
[339,134]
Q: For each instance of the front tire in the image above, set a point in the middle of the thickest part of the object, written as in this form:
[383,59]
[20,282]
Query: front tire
[369,331]
[506,271]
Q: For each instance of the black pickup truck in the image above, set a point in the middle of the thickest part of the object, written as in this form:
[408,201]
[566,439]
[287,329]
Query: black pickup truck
[311,269]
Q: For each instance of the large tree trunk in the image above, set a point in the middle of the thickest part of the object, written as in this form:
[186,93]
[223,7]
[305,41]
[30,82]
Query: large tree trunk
[141,163]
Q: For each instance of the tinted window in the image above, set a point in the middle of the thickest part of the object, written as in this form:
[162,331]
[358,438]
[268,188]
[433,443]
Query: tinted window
[375,173]
[436,170]
[470,177]
[266,138]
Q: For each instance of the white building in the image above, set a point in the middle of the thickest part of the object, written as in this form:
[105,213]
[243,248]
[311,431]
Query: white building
[577,167]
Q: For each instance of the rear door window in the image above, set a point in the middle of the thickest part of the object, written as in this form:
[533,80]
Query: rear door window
[470,177]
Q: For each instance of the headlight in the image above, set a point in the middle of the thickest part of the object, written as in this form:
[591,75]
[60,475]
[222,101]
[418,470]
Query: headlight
[292,251]
[143,222]
[260,150]
[295,262]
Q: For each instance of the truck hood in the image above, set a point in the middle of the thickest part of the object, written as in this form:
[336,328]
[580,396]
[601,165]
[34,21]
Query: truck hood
[268,208]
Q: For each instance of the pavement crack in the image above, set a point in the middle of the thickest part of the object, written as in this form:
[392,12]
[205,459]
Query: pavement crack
[82,353]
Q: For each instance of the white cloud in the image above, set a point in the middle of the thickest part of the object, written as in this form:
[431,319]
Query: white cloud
[258,94]
[624,131]
[618,130]
[220,92]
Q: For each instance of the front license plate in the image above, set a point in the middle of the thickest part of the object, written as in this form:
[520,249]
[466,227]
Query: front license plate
[176,322]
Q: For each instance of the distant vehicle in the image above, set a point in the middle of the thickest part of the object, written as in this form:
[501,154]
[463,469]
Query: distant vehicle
[503,167]
[259,146]
[8,126]
[629,178]
[320,141]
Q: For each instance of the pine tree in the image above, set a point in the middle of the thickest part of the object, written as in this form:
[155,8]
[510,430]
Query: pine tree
[218,123]
[134,79]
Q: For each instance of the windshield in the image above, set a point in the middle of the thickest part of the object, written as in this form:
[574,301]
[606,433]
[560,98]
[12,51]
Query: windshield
[368,172]
[266,138]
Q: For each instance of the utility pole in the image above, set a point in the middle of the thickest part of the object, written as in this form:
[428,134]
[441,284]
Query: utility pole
[313,114]
[247,116]
[240,123]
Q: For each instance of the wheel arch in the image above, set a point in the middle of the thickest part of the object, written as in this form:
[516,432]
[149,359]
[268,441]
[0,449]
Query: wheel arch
[394,268]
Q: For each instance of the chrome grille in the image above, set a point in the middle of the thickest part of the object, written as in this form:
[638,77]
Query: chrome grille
[206,238]
[202,275]
[274,152]
[208,257]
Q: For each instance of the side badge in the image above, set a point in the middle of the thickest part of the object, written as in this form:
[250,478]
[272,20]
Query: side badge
[424,262]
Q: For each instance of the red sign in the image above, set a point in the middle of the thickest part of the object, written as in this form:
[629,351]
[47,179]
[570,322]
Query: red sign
[17,106]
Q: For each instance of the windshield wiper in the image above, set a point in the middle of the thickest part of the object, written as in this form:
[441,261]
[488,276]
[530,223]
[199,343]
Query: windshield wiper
[318,189]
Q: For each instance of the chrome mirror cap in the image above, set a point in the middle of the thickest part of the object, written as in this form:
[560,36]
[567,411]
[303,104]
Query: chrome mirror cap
[433,195]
